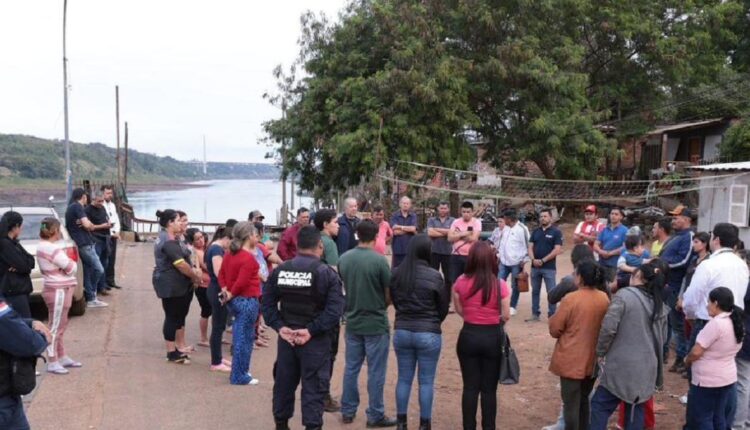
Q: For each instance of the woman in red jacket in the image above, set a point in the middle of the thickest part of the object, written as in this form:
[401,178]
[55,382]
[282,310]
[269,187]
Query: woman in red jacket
[239,274]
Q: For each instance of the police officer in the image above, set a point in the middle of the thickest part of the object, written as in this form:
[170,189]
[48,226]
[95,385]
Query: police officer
[303,301]
[18,338]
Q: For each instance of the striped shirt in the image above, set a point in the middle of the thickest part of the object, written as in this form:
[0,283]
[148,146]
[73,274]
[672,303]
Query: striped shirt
[58,270]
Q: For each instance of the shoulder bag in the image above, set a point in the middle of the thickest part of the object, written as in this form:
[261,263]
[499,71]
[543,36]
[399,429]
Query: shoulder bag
[510,369]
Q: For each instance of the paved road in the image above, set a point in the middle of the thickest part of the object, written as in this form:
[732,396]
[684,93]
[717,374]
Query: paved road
[126,383]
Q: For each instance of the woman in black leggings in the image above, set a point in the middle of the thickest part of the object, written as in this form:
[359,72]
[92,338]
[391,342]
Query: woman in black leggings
[475,298]
[213,259]
[173,281]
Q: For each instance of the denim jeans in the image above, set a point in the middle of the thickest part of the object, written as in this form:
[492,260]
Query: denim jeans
[513,271]
[741,417]
[375,349]
[604,403]
[416,350]
[537,275]
[707,407]
[92,270]
[12,416]
[243,337]
[218,323]
[102,250]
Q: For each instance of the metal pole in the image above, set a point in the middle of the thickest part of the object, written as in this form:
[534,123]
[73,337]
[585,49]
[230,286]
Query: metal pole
[283,217]
[125,170]
[117,117]
[68,169]
[291,194]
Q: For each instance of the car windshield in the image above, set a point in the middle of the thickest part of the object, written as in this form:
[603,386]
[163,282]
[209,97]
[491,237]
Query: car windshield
[30,227]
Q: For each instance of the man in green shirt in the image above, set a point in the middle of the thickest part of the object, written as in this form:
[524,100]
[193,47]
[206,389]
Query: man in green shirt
[325,221]
[366,277]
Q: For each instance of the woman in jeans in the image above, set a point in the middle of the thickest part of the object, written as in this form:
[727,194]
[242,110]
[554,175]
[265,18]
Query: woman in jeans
[15,265]
[630,347]
[173,281]
[213,260]
[240,274]
[475,298]
[576,326]
[421,302]
[714,371]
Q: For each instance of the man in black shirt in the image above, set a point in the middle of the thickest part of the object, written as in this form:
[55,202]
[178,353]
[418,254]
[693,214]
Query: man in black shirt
[79,227]
[303,301]
[97,214]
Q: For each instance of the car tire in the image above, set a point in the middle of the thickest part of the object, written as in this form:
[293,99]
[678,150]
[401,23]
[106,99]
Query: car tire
[78,307]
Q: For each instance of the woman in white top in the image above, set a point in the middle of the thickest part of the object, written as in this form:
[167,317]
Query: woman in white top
[59,274]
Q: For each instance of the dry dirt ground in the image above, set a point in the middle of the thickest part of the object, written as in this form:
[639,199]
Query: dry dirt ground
[126,384]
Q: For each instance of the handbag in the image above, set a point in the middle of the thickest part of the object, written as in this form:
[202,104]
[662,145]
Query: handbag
[522,282]
[510,369]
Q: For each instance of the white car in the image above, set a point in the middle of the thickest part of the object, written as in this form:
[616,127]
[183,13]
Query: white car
[32,220]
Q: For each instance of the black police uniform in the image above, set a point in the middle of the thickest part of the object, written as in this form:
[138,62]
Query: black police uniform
[17,339]
[303,293]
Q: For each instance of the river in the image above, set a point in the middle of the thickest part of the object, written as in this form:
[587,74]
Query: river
[217,201]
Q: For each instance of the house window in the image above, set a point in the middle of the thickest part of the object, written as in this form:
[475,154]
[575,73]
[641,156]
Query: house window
[738,205]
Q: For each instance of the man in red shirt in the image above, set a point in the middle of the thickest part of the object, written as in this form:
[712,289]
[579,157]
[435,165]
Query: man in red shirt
[288,243]
[588,230]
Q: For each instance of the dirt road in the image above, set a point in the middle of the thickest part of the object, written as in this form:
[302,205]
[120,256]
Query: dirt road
[126,384]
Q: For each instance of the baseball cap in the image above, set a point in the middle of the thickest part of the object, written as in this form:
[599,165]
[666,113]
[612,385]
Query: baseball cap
[256,214]
[681,210]
[590,208]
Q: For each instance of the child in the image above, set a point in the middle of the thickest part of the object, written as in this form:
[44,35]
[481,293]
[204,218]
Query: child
[635,254]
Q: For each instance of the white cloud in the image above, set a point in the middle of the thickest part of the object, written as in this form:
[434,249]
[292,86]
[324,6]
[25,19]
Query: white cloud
[185,68]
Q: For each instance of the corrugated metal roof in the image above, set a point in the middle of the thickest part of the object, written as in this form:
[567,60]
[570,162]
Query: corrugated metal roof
[683,125]
[742,165]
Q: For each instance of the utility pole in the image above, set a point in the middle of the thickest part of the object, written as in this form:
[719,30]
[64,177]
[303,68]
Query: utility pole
[117,117]
[283,218]
[125,172]
[68,169]
[205,163]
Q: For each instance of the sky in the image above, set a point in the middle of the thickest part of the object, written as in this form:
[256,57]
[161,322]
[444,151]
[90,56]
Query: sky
[185,69]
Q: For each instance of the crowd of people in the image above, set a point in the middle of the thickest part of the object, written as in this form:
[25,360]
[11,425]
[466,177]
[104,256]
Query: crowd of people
[616,319]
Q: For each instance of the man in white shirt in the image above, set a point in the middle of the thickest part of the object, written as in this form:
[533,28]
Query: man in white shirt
[513,252]
[722,269]
[114,218]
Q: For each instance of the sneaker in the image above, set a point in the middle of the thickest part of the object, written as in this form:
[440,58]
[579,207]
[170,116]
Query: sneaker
[534,318]
[221,368]
[57,368]
[178,357]
[684,399]
[513,311]
[253,381]
[96,303]
[384,422]
[69,362]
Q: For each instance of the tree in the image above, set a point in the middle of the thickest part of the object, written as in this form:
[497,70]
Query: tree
[736,143]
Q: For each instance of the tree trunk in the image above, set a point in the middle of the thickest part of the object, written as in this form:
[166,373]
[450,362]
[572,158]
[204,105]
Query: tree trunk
[545,167]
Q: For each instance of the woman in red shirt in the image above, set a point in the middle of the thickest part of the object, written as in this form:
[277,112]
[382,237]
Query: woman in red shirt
[475,298]
[239,274]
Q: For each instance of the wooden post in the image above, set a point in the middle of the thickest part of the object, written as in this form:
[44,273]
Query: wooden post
[117,118]
[125,171]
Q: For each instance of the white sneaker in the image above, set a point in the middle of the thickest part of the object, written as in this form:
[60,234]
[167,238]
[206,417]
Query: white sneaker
[684,399]
[253,381]
[96,303]
[513,311]
[69,362]
[57,369]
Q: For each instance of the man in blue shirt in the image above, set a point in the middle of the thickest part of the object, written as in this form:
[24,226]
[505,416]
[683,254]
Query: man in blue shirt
[609,244]
[545,244]
[676,253]
[404,225]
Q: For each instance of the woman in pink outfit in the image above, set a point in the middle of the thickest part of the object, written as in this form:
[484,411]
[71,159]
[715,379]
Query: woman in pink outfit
[59,273]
